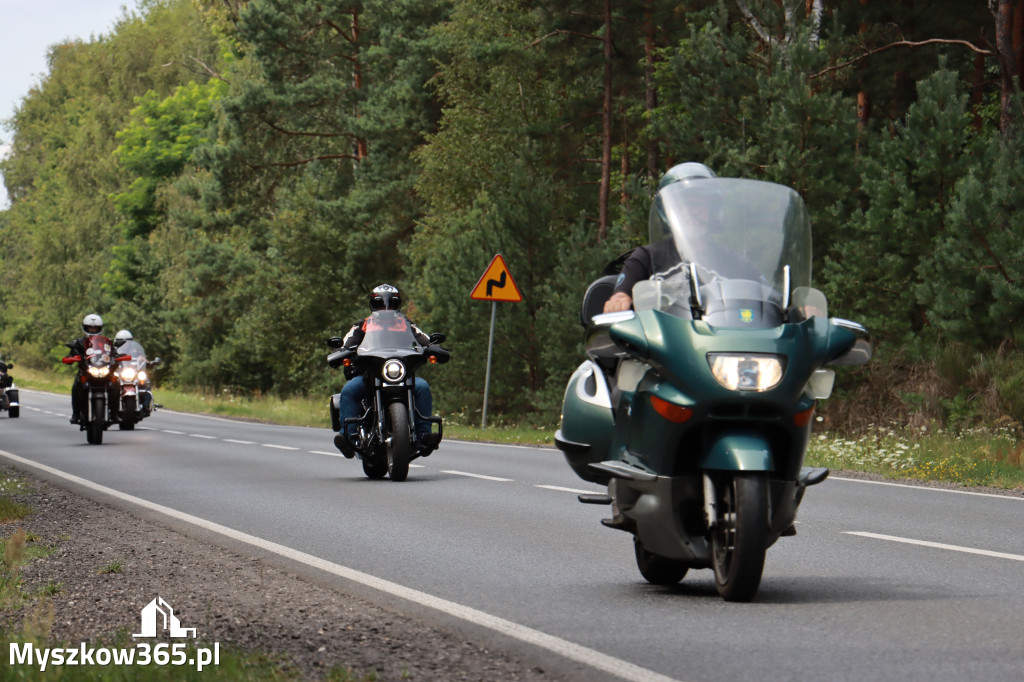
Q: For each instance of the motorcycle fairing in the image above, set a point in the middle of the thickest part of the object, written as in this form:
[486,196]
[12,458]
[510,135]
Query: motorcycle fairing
[587,421]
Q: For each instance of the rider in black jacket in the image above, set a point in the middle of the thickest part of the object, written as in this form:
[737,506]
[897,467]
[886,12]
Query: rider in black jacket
[384,297]
[92,324]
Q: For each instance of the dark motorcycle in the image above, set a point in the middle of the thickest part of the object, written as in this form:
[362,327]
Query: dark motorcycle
[9,396]
[695,408]
[98,379]
[387,359]
[136,385]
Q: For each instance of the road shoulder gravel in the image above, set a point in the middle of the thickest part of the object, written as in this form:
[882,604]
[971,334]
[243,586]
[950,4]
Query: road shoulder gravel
[238,599]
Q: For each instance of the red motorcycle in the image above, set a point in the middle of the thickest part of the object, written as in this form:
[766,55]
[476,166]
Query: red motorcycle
[97,378]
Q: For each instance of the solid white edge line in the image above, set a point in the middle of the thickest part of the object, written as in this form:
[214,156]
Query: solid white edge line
[557,645]
[936,545]
[923,487]
[569,490]
[481,476]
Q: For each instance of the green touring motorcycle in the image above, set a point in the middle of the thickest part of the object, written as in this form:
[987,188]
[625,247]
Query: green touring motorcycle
[695,407]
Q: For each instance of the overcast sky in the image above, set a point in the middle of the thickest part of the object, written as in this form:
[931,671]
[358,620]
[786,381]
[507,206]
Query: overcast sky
[27,29]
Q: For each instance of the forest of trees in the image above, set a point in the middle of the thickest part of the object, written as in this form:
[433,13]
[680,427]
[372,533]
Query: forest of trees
[229,178]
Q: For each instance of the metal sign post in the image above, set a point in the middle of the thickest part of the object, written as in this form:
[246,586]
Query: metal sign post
[496,284]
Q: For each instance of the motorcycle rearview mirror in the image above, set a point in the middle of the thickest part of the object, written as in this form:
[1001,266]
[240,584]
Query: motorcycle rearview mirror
[335,342]
[10,365]
[155,361]
[860,352]
[438,337]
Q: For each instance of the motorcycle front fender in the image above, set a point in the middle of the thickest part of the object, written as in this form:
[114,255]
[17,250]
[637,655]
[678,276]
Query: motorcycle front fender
[738,451]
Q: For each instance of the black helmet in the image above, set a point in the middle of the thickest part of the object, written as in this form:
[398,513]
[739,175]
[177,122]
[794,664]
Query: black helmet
[385,297]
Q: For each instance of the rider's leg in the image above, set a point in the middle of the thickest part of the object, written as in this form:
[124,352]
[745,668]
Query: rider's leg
[77,401]
[349,402]
[424,405]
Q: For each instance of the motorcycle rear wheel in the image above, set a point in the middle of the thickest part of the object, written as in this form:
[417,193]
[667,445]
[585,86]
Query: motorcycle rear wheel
[658,570]
[739,541]
[400,443]
[13,411]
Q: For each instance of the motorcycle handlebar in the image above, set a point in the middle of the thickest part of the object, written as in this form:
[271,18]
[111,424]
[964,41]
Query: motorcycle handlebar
[71,359]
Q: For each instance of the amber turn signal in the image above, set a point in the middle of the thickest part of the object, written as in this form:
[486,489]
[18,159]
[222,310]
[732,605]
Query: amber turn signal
[673,413]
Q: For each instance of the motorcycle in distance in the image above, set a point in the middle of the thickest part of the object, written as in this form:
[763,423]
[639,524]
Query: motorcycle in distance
[136,385]
[695,407]
[9,396]
[387,358]
[98,379]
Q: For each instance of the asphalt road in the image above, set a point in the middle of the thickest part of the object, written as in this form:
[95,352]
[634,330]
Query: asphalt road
[882,582]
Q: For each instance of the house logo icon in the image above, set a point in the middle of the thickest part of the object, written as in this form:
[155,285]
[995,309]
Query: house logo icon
[159,614]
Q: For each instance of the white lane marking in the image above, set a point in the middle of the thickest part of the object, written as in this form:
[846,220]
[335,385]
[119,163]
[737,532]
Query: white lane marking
[240,442]
[176,433]
[574,652]
[322,452]
[200,435]
[570,490]
[278,447]
[486,478]
[937,545]
[921,487]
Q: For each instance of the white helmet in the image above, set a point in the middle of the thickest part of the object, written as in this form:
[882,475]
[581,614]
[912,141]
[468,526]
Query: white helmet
[92,324]
[122,336]
[685,171]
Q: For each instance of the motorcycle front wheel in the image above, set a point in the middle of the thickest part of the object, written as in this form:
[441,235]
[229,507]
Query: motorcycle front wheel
[658,570]
[128,415]
[400,443]
[739,541]
[94,429]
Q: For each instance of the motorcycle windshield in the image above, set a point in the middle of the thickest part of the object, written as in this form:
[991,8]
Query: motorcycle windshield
[739,233]
[98,349]
[388,332]
[132,348]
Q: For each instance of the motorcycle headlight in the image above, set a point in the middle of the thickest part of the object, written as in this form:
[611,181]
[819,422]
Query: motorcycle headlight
[99,372]
[394,371]
[143,377]
[747,371]
[128,374]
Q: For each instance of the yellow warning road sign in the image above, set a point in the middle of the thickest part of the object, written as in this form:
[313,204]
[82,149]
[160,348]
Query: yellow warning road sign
[496,284]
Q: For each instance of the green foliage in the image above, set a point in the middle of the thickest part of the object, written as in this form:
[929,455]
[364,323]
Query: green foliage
[158,142]
[973,283]
[908,188]
[227,180]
